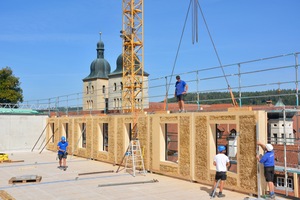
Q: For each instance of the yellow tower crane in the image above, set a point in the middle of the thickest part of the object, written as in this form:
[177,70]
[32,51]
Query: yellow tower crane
[133,56]
[133,76]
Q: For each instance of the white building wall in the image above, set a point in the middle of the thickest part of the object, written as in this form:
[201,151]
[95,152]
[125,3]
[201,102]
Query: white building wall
[21,132]
[277,130]
[93,95]
[115,94]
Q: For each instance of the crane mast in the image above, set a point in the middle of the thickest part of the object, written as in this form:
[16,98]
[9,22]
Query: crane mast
[133,55]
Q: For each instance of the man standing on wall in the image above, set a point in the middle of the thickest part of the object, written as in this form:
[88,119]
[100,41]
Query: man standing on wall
[221,161]
[268,160]
[62,148]
[180,89]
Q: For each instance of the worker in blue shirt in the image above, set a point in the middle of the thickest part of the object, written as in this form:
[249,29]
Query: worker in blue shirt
[181,88]
[62,148]
[268,160]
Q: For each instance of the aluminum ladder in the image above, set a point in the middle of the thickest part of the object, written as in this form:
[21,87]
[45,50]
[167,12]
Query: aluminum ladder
[134,158]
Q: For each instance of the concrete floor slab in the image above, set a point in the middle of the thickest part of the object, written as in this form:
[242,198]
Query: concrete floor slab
[58,184]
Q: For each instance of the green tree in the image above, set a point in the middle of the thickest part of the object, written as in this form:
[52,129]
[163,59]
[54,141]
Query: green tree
[10,90]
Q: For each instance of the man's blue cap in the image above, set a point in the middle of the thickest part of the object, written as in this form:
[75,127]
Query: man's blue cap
[63,138]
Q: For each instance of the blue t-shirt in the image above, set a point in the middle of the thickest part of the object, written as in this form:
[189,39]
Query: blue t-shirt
[180,87]
[268,159]
[62,146]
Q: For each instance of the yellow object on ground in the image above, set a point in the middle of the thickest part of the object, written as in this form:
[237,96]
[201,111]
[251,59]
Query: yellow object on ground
[3,156]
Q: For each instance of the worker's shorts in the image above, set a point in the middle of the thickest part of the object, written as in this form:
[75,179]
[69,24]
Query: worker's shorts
[180,97]
[269,174]
[61,156]
[221,175]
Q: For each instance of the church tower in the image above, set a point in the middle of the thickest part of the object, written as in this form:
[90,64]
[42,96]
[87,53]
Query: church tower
[95,85]
[116,87]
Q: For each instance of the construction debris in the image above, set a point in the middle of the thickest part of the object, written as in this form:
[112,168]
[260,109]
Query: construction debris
[25,179]
[128,183]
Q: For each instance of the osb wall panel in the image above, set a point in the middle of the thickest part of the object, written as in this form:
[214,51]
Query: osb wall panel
[78,150]
[151,144]
[120,139]
[89,137]
[168,119]
[143,137]
[201,153]
[222,117]
[111,140]
[97,152]
[184,146]
[246,159]
[52,146]
[168,170]
[196,134]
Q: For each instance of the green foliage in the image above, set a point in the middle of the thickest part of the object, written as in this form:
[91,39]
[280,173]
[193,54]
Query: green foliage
[288,97]
[10,90]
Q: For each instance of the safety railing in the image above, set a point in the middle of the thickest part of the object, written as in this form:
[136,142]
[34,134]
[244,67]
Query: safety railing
[271,73]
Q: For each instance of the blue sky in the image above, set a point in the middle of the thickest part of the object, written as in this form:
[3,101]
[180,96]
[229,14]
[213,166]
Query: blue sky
[50,44]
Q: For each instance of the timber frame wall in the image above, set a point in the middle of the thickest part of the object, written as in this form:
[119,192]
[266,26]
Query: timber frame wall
[196,143]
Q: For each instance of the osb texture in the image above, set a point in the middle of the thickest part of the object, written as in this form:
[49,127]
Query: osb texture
[52,145]
[168,170]
[184,146]
[142,136]
[128,120]
[222,117]
[168,119]
[151,144]
[120,139]
[97,154]
[89,139]
[111,139]
[78,150]
[230,181]
[246,158]
[201,160]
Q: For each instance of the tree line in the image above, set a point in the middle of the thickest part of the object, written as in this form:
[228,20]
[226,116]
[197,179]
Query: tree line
[288,97]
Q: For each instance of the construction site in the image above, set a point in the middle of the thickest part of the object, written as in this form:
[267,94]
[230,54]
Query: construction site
[127,139]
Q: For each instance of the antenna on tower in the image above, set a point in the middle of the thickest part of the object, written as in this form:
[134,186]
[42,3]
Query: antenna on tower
[100,33]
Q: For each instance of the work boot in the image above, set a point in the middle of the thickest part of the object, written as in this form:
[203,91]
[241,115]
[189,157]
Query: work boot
[220,195]
[272,196]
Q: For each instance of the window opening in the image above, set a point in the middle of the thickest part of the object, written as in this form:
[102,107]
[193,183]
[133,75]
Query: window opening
[226,135]
[83,135]
[52,132]
[171,142]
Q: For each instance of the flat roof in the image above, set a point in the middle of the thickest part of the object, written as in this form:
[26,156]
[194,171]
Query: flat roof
[59,184]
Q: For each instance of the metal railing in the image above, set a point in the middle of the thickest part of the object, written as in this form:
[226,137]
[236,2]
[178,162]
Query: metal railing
[271,73]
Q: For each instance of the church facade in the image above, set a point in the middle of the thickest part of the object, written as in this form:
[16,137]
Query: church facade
[102,89]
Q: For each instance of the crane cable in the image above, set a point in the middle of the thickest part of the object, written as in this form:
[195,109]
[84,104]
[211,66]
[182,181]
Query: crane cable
[174,64]
[195,37]
[218,57]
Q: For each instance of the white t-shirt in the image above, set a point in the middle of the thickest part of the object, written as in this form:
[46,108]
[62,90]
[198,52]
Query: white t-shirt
[221,161]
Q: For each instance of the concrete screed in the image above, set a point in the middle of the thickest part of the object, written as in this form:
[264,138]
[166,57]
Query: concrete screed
[59,184]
